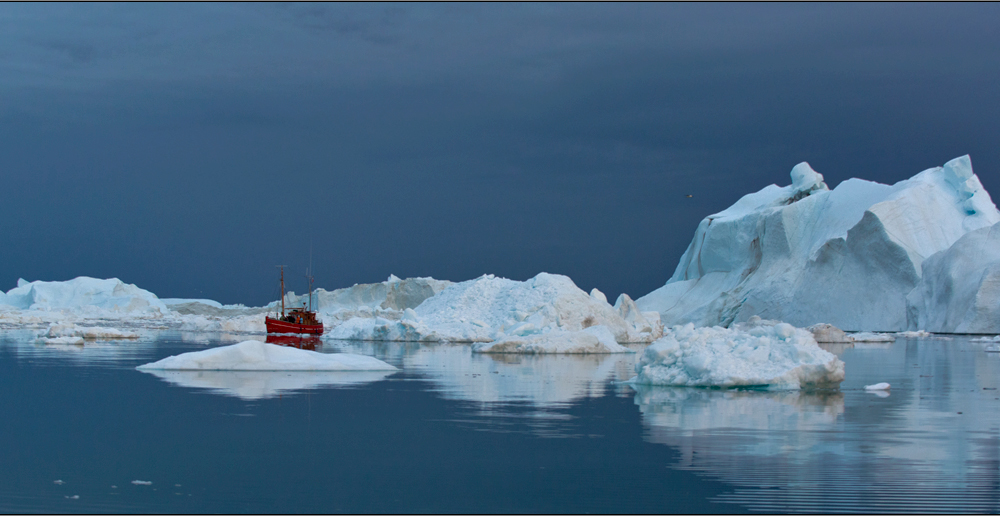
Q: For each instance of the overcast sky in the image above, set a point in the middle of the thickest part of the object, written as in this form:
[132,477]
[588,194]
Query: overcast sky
[190,148]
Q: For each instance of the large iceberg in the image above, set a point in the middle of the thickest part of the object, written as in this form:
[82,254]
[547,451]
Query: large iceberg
[254,355]
[959,291]
[805,254]
[514,314]
[758,353]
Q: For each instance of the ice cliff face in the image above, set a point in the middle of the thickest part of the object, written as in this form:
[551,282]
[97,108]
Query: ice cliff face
[959,291]
[805,254]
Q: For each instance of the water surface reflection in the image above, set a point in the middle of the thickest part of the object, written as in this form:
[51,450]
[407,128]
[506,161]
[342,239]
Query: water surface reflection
[930,445]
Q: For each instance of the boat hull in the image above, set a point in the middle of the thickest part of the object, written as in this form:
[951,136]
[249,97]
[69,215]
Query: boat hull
[276,326]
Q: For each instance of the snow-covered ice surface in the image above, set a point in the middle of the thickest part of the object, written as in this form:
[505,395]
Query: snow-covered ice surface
[253,355]
[513,313]
[805,254]
[758,353]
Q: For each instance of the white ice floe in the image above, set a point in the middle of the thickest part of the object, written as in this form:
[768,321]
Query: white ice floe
[849,256]
[995,338]
[142,482]
[756,353]
[488,309]
[914,334]
[959,291]
[72,341]
[877,387]
[253,355]
[88,332]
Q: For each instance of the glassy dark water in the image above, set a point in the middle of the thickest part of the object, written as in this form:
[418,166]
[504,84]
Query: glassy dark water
[83,431]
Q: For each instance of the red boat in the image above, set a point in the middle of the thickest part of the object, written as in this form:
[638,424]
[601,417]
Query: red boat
[296,320]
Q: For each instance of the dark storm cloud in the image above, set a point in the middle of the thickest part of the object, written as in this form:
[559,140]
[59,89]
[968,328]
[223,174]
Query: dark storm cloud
[181,146]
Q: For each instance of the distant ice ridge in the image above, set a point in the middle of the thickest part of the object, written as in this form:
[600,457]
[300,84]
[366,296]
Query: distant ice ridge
[850,257]
[253,355]
[367,298]
[756,353]
[547,313]
[82,294]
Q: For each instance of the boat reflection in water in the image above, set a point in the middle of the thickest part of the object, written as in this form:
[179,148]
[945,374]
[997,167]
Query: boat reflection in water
[294,341]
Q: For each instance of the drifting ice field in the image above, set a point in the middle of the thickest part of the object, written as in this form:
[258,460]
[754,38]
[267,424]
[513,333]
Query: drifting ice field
[920,255]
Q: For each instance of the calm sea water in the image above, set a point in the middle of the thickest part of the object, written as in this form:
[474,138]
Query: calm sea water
[82,431]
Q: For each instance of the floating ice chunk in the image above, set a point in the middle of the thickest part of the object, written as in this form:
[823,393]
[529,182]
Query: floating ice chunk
[56,482]
[74,497]
[595,339]
[142,482]
[253,355]
[914,334]
[89,332]
[758,353]
[877,387]
[867,336]
[987,339]
[828,333]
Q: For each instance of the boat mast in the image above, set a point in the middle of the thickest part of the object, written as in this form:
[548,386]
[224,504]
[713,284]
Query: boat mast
[282,268]
[309,273]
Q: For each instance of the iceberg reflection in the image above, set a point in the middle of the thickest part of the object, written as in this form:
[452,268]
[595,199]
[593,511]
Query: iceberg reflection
[937,434]
[540,380]
[256,385]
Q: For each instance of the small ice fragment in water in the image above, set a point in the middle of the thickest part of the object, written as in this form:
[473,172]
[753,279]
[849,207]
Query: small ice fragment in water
[114,487]
[58,482]
[74,497]
[877,387]
[142,482]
